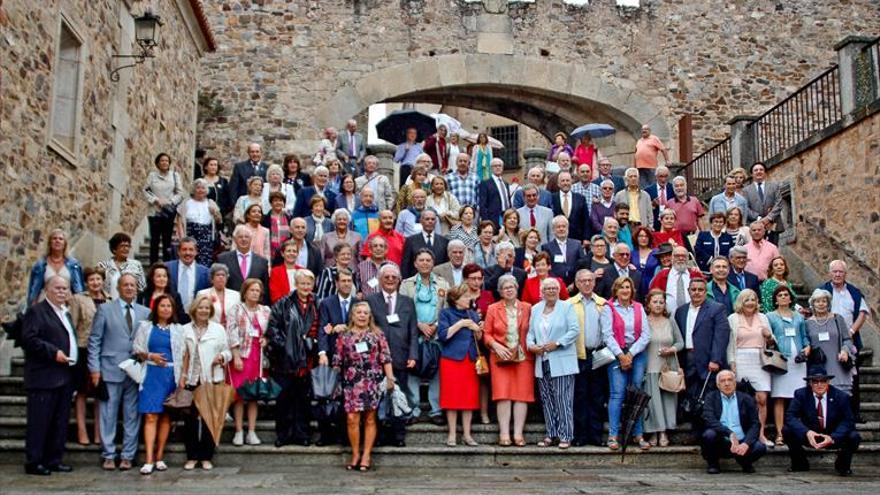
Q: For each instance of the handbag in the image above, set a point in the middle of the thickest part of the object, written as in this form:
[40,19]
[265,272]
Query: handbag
[772,360]
[693,406]
[481,365]
[602,357]
[429,359]
[180,399]
[850,362]
[135,370]
[324,382]
[671,381]
[262,389]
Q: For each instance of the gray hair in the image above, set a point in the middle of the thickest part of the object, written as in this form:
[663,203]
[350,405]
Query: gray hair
[630,171]
[738,250]
[528,187]
[723,373]
[218,268]
[455,243]
[607,181]
[241,229]
[819,294]
[840,263]
[504,246]
[549,281]
[679,178]
[321,168]
[559,219]
[339,212]
[255,178]
[274,168]
[304,273]
[390,267]
[507,279]
[609,220]
[198,182]
[661,168]
[617,247]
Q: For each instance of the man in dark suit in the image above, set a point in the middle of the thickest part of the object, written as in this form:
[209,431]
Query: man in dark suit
[660,191]
[704,326]
[427,238]
[605,174]
[244,264]
[242,171]
[309,254]
[765,202]
[333,310]
[395,314]
[320,178]
[186,276]
[621,267]
[493,194]
[732,426]
[739,277]
[504,256]
[350,148]
[565,253]
[819,416]
[48,338]
[573,207]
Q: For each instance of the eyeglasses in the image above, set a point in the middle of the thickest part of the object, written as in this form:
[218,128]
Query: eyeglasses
[625,255]
[607,188]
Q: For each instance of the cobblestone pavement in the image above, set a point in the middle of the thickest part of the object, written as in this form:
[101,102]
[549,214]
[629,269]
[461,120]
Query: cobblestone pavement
[391,481]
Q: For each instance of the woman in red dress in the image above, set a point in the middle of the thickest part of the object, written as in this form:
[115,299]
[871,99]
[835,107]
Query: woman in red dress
[458,330]
[532,288]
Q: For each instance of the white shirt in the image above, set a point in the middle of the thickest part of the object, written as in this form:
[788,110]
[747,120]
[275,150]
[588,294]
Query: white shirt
[433,237]
[64,316]
[346,306]
[456,274]
[302,258]
[671,287]
[393,296]
[842,304]
[693,311]
[502,191]
[188,272]
[562,246]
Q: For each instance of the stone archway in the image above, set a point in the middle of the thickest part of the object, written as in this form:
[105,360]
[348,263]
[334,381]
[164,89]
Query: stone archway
[547,96]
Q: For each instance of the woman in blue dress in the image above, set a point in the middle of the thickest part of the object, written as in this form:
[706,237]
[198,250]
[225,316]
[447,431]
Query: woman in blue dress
[158,343]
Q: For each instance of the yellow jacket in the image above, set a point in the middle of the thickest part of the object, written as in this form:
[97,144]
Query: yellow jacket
[579,312]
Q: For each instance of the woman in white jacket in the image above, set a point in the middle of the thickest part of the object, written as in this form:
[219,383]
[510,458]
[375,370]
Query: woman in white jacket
[205,356]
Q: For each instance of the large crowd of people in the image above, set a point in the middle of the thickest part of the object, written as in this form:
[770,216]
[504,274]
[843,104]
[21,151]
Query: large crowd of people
[571,290]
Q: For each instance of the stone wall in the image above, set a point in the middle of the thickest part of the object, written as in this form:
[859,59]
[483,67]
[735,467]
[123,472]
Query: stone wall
[836,205]
[123,125]
[279,61]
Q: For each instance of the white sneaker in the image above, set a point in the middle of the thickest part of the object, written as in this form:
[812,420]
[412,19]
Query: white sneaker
[161,466]
[147,469]
[238,439]
[253,439]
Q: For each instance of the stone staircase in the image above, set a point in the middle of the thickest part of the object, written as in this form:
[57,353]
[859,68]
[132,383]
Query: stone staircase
[426,442]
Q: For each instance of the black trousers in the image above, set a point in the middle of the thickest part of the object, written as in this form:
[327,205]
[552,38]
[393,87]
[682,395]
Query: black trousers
[694,385]
[405,170]
[393,431]
[590,394]
[292,406]
[798,454]
[197,438]
[160,233]
[48,412]
[714,446]
[333,430]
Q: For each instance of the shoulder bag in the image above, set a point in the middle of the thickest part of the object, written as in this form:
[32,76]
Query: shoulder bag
[772,360]
[670,380]
[481,364]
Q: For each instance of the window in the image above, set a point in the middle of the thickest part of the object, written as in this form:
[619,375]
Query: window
[509,137]
[67,96]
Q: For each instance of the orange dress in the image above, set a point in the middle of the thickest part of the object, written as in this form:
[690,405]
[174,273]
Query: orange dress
[510,381]
[532,290]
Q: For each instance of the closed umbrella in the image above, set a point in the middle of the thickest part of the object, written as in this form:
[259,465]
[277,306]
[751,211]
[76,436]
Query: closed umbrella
[393,127]
[634,404]
[213,400]
[593,130]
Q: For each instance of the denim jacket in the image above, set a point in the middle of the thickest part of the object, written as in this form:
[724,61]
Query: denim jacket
[778,326]
[38,273]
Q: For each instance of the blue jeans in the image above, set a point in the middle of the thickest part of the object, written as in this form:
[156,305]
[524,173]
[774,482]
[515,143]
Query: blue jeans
[618,381]
[123,393]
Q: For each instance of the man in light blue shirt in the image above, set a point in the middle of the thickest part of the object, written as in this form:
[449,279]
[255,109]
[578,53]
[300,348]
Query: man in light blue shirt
[406,154]
[727,199]
[732,426]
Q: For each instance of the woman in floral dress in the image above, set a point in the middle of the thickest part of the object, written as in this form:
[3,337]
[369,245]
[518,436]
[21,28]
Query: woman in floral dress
[364,359]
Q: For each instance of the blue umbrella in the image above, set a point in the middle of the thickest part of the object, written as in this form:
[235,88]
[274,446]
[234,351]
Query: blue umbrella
[393,127]
[593,130]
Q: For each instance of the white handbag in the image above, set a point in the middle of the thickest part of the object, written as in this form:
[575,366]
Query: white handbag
[602,357]
[135,370]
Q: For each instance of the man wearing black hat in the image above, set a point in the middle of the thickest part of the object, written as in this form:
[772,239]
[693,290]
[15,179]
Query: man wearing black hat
[820,416]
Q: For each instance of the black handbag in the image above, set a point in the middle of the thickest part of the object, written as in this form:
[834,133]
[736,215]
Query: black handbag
[429,359]
[850,361]
[693,406]
[746,387]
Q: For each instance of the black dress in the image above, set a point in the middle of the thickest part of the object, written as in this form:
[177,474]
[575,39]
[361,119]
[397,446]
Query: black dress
[219,193]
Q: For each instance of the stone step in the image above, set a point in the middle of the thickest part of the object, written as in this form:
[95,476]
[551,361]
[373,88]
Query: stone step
[484,456]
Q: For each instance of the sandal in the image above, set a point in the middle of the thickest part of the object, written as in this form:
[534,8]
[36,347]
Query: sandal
[519,442]
[612,444]
[643,444]
[161,466]
[365,467]
[470,442]
[190,465]
[779,441]
[207,465]
[564,445]
[546,442]
[504,442]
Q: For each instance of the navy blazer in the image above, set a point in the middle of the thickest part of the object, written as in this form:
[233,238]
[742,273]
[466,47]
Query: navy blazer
[544,199]
[619,185]
[710,336]
[704,248]
[489,201]
[801,417]
[241,172]
[603,285]
[654,191]
[573,256]
[416,242]
[748,416]
[578,217]
[258,269]
[330,312]
[304,198]
[203,280]
[494,272]
[751,281]
[462,343]
[42,336]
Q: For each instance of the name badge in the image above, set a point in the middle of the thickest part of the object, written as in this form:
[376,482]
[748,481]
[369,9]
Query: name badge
[790,332]
[559,259]
[373,283]
[361,347]
[393,318]
[824,337]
